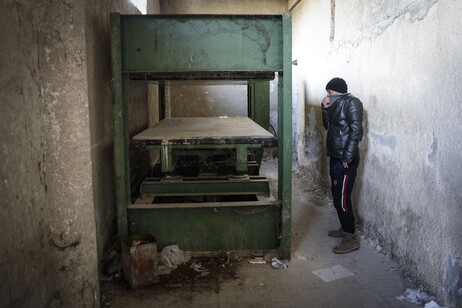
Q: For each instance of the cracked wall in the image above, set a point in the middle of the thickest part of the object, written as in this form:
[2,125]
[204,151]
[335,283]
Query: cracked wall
[56,150]
[402,59]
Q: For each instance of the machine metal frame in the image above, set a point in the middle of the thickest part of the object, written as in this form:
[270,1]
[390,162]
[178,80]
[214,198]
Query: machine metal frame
[211,47]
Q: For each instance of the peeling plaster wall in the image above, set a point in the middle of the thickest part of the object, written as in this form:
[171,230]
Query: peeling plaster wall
[56,150]
[402,59]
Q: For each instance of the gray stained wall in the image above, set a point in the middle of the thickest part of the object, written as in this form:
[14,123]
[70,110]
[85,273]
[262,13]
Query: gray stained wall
[403,60]
[57,184]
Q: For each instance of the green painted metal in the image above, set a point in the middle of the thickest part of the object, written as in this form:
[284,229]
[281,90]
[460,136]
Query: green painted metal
[200,152]
[202,43]
[166,153]
[119,125]
[259,109]
[166,158]
[210,229]
[241,158]
[210,186]
[285,139]
[202,146]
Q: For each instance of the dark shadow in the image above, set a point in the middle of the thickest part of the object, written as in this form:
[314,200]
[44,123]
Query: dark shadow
[360,180]
[314,174]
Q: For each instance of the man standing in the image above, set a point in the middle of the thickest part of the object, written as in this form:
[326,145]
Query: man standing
[342,116]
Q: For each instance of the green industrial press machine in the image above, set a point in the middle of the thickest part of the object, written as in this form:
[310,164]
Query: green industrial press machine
[205,193]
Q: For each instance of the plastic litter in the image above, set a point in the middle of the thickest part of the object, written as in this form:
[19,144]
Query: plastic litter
[276,263]
[197,267]
[172,256]
[415,296]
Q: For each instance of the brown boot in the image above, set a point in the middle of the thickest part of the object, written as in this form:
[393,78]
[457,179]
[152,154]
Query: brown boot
[337,233]
[349,243]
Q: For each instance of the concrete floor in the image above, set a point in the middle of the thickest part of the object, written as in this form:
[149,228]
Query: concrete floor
[373,281]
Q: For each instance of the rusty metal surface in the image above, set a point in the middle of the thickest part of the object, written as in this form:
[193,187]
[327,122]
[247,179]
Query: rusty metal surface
[139,258]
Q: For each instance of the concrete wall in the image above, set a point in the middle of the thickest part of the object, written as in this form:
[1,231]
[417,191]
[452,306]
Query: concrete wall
[402,59]
[223,7]
[25,262]
[57,187]
[208,101]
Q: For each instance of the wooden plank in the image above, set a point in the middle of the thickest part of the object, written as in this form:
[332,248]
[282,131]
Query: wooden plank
[204,128]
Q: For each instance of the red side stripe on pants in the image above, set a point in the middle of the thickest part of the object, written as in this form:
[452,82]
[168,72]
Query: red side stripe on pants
[344,193]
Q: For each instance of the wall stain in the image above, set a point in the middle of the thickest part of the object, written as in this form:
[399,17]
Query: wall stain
[433,155]
[332,20]
[63,248]
[383,140]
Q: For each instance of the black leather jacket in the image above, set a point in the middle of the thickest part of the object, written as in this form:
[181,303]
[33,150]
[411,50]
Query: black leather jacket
[343,121]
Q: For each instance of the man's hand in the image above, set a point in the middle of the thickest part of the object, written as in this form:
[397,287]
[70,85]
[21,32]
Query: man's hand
[345,164]
[326,102]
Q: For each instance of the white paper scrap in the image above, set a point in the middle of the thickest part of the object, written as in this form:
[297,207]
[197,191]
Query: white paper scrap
[431,304]
[415,296]
[333,273]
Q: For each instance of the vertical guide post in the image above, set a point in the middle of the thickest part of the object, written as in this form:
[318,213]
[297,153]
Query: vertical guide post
[259,109]
[119,125]
[161,100]
[285,136]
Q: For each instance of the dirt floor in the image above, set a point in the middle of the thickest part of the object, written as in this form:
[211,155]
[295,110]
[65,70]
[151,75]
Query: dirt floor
[373,280]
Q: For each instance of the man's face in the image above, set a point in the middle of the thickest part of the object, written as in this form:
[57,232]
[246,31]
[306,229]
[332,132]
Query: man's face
[332,92]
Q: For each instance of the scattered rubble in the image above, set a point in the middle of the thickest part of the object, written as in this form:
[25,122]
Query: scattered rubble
[415,296]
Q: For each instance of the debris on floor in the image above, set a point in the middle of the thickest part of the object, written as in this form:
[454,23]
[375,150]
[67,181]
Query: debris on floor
[199,274]
[415,296]
[276,263]
[170,257]
[257,260]
[333,273]
[431,304]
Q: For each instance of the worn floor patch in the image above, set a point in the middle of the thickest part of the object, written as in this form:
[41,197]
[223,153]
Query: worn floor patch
[333,273]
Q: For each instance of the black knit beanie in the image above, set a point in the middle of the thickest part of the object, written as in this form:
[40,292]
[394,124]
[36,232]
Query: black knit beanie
[338,85]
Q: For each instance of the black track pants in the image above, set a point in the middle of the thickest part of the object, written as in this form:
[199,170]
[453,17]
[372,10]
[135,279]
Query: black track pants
[342,181]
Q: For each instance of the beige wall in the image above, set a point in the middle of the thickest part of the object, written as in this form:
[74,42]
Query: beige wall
[402,59]
[223,7]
